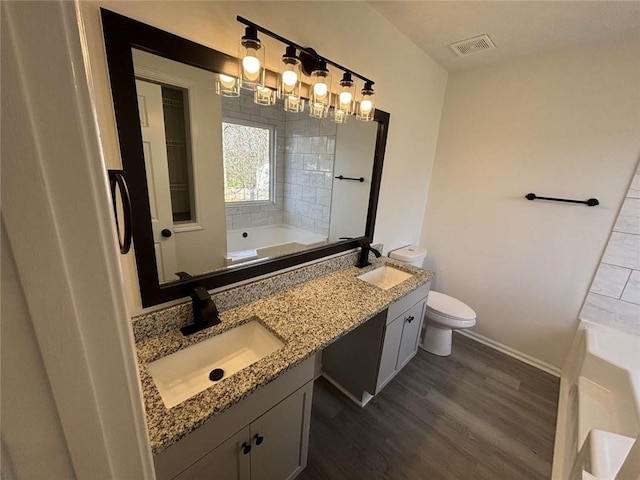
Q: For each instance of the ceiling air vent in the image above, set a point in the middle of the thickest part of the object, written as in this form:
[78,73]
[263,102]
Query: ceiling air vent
[472,45]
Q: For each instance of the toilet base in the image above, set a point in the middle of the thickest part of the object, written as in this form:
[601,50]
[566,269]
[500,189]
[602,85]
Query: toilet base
[437,340]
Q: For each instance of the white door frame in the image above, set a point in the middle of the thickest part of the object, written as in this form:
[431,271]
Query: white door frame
[58,217]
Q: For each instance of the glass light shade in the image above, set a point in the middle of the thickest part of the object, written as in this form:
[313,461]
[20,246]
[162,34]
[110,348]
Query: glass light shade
[289,75]
[251,58]
[293,103]
[264,95]
[339,116]
[320,93]
[367,106]
[227,86]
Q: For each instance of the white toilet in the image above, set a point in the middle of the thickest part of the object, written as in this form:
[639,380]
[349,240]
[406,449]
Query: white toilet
[443,313]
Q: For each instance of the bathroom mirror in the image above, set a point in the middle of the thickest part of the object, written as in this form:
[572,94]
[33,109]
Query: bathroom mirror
[223,189]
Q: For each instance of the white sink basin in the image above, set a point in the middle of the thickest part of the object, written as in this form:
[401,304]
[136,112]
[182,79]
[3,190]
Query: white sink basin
[385,277]
[181,375]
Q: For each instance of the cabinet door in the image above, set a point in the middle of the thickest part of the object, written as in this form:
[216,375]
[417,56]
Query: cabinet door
[412,325]
[280,438]
[226,462]
[389,356]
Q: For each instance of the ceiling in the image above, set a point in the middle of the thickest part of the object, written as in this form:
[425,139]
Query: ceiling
[517,27]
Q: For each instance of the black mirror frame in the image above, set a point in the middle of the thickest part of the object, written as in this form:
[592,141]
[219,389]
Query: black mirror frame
[121,34]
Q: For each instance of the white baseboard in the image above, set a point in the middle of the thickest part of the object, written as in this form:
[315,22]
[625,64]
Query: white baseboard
[512,352]
[366,396]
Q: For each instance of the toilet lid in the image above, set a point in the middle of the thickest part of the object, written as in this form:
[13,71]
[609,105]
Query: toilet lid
[449,306]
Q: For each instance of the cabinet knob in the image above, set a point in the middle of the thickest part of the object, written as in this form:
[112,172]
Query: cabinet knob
[258,438]
[409,319]
[246,448]
[166,233]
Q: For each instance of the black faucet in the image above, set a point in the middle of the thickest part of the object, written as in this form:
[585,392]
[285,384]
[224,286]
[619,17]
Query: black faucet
[363,259]
[205,313]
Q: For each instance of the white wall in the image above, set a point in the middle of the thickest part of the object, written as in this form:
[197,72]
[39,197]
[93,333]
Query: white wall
[351,33]
[564,124]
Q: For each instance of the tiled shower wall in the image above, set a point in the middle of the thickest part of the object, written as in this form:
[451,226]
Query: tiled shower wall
[614,296]
[304,168]
[310,150]
[243,108]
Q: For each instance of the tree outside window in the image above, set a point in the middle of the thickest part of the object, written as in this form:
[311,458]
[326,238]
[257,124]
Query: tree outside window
[246,153]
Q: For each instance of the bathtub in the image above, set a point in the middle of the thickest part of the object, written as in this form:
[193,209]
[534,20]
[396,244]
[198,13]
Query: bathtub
[598,421]
[257,243]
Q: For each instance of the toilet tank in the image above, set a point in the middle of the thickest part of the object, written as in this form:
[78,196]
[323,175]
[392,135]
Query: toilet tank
[412,254]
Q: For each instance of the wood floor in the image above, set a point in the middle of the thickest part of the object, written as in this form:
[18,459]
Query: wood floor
[477,414]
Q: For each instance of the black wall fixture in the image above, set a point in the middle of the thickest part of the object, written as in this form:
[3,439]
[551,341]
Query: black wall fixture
[121,34]
[592,202]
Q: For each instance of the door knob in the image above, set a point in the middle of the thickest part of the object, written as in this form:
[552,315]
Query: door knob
[166,233]
[246,448]
[409,319]
[258,438]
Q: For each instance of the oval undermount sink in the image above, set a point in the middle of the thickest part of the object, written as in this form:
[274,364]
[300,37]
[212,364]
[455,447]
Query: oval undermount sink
[385,277]
[183,374]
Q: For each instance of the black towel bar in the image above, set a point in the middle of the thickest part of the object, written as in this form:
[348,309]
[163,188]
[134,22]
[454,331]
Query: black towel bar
[340,177]
[592,202]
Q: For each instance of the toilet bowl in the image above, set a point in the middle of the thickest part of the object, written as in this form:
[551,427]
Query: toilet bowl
[443,314]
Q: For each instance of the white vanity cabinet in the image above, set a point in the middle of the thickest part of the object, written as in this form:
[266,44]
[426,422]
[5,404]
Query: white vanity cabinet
[384,345]
[264,437]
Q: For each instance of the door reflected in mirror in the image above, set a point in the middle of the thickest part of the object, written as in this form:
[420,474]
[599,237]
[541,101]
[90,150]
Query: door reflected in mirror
[232,182]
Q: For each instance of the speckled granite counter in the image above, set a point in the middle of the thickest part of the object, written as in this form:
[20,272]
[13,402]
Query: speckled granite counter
[306,318]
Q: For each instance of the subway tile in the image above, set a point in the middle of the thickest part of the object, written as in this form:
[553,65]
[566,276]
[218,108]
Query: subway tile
[327,127]
[632,290]
[289,205]
[610,280]
[302,207]
[318,145]
[309,193]
[614,313]
[259,219]
[310,161]
[326,213]
[241,221]
[275,218]
[303,177]
[315,211]
[328,180]
[295,160]
[323,197]
[629,217]
[325,162]
[331,145]
[321,227]
[623,250]
[316,179]
[303,145]
[296,191]
[307,223]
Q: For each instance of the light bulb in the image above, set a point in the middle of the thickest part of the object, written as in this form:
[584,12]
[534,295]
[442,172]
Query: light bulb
[227,81]
[345,98]
[365,106]
[320,89]
[289,78]
[250,62]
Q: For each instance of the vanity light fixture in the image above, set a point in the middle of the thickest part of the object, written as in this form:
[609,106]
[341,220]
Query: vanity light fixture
[289,76]
[320,93]
[264,95]
[367,103]
[345,100]
[251,57]
[227,86]
[296,62]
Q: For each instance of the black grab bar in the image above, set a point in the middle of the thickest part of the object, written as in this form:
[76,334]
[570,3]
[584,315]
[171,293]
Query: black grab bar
[592,202]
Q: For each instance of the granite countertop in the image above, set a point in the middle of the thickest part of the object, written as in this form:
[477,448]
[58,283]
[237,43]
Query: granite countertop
[306,318]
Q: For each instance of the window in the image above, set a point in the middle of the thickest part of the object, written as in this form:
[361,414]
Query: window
[247,153]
